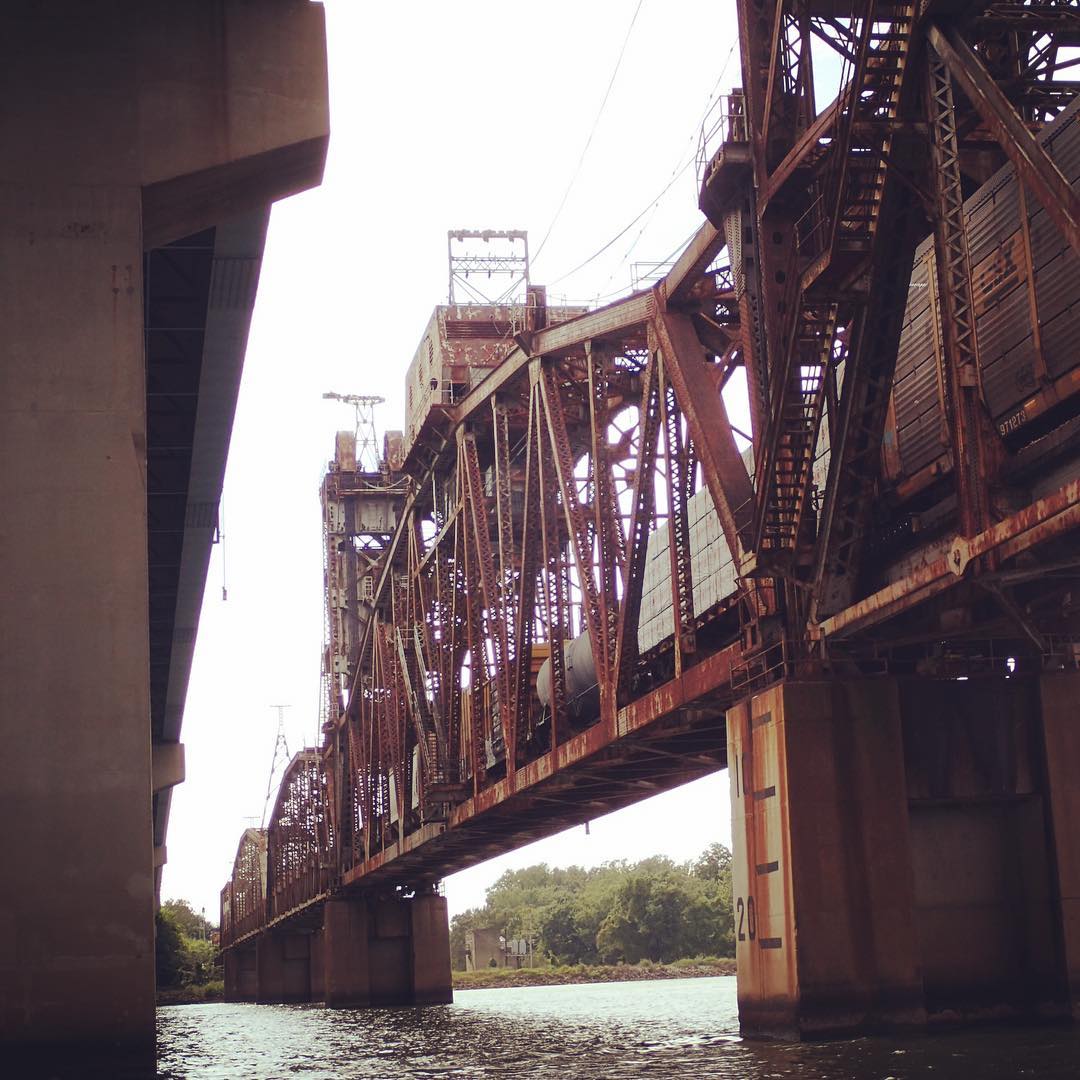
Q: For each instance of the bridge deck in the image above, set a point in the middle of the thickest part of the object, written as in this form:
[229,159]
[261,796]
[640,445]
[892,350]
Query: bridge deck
[582,571]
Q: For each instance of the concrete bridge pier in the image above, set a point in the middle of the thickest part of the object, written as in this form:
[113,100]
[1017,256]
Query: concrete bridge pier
[283,967]
[318,970]
[125,126]
[906,853]
[1060,700]
[386,951]
[241,974]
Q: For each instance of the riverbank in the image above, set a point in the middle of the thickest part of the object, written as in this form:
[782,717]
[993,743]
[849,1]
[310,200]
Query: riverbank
[591,973]
[192,995]
[510,977]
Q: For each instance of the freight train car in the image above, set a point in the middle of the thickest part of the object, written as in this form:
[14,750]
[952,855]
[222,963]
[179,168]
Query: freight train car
[1027,303]
[1026,282]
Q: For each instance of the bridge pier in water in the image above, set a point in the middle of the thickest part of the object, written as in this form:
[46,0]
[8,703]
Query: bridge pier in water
[371,951]
[241,974]
[905,853]
[128,127]
[387,951]
[283,967]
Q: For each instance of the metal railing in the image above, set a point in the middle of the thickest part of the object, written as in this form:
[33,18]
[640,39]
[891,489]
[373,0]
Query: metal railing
[724,123]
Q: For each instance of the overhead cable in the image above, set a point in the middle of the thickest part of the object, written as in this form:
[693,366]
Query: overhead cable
[654,201]
[592,132]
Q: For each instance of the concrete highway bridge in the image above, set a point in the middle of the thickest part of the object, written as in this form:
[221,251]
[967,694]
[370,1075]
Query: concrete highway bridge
[143,145]
[569,585]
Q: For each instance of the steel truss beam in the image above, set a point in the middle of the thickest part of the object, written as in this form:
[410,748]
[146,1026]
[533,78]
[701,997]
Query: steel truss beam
[1033,165]
[963,372]
[531,504]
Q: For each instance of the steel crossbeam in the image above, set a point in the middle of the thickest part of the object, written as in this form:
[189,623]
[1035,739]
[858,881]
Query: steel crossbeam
[570,490]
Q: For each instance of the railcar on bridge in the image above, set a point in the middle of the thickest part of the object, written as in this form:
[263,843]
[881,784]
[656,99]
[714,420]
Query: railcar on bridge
[575,581]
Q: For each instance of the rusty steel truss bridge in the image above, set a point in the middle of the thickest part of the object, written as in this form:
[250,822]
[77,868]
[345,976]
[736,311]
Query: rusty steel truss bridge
[571,569]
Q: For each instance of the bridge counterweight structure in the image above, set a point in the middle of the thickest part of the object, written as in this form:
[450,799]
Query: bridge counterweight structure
[569,588]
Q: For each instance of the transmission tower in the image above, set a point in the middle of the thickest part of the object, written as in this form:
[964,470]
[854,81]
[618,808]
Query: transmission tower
[281,746]
[488,266]
[367,447]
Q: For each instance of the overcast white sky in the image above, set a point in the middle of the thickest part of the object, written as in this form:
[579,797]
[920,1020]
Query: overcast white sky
[465,115]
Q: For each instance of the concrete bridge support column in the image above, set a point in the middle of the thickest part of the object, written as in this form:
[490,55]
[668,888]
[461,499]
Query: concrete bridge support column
[825,938]
[124,126]
[430,959]
[386,951]
[346,978]
[906,852]
[1060,699]
[241,974]
[318,970]
[986,889]
[283,963]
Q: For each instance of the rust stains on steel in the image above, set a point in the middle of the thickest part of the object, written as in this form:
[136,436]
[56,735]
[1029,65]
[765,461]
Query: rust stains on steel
[1035,167]
[1041,521]
[443,725]
[723,467]
[563,572]
[564,764]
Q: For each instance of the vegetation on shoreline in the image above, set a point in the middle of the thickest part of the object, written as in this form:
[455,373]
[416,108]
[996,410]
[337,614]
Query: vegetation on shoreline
[186,960]
[192,995]
[567,974]
[622,921]
[617,913]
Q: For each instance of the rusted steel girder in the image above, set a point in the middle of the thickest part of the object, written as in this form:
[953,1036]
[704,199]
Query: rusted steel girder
[243,900]
[606,528]
[532,525]
[529,507]
[533,790]
[1045,519]
[714,441]
[1033,165]
[493,622]
[679,467]
[691,264]
[596,621]
[644,498]
[299,844]
[823,184]
[962,377]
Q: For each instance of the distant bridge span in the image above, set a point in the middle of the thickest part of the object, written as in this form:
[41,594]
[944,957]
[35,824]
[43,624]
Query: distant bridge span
[571,585]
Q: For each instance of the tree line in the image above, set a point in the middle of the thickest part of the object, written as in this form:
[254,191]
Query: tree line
[185,954]
[654,909]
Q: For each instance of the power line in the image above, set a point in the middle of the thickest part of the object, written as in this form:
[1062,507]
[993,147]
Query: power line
[699,126]
[592,132]
[654,201]
[615,293]
[626,228]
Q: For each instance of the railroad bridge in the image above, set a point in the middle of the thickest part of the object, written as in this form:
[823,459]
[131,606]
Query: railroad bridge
[574,580]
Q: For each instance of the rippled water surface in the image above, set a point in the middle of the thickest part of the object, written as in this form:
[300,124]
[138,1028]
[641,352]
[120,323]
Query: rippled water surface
[675,1028]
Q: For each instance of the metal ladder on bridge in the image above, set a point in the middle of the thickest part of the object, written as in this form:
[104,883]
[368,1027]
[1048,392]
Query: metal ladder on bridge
[798,394]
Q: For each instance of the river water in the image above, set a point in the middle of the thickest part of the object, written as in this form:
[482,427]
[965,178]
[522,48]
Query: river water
[662,1028]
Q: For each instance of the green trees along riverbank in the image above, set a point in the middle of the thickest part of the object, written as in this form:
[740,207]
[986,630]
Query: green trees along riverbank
[654,910]
[623,920]
[185,955]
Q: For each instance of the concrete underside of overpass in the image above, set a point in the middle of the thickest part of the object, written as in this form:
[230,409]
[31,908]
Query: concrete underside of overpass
[143,145]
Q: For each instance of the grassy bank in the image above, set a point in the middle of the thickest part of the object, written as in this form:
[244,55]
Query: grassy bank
[496,977]
[192,995]
[592,973]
